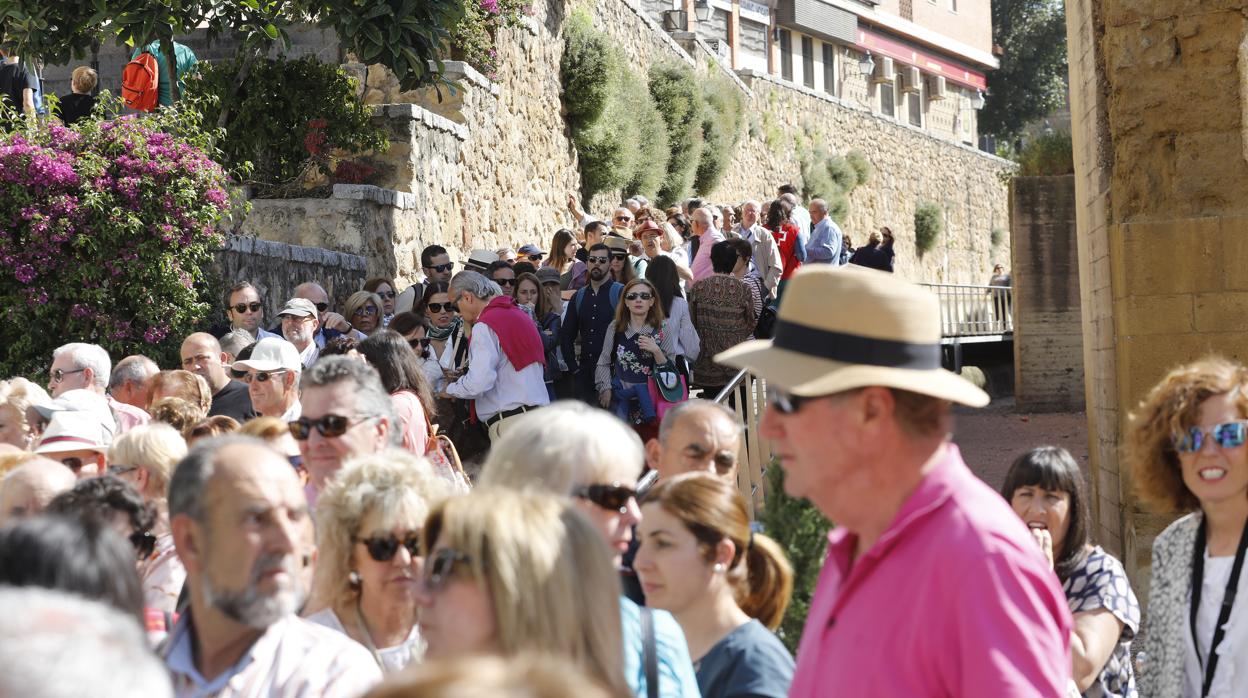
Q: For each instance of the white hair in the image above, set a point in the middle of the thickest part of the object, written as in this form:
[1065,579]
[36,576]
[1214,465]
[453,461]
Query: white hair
[474,283]
[90,356]
[556,448]
[56,645]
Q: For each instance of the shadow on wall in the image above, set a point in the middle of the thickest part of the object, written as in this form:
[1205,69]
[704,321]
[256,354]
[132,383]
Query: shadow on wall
[275,269]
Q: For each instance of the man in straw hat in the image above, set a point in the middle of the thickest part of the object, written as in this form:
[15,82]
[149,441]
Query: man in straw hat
[932,586]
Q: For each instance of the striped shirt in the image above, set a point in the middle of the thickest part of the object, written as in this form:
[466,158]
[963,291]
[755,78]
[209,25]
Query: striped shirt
[293,657]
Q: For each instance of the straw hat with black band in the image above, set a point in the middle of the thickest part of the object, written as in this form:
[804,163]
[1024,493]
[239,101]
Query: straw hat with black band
[843,328]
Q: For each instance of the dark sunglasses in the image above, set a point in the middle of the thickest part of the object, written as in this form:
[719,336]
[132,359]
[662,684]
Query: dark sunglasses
[536,257]
[419,343]
[439,307]
[619,255]
[244,307]
[784,402]
[119,470]
[387,295]
[639,295]
[59,374]
[505,282]
[237,374]
[443,267]
[384,548]
[623,219]
[1225,435]
[440,567]
[74,463]
[144,543]
[322,307]
[329,426]
[613,497]
[261,376]
[367,311]
[593,259]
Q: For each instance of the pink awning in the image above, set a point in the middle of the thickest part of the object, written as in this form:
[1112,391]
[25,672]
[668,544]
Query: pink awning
[924,60]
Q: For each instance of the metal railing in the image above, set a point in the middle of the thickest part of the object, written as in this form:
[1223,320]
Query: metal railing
[974,311]
[747,396]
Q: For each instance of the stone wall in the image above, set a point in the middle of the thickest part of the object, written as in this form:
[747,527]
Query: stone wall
[1048,329]
[276,268]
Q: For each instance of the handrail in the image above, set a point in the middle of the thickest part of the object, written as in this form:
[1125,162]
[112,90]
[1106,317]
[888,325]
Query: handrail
[746,395]
[969,310]
[722,397]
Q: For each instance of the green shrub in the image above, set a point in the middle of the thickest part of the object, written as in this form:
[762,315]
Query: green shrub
[674,88]
[1049,154]
[928,225]
[997,236]
[861,165]
[279,130]
[802,532]
[723,115]
[585,72]
[841,172]
[817,182]
[832,178]
[652,148]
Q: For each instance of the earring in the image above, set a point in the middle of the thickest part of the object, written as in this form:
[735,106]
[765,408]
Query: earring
[353,579]
[719,568]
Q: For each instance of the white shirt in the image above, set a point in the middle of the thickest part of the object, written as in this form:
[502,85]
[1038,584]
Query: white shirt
[680,326]
[295,411]
[493,382]
[1233,650]
[394,658]
[292,658]
[309,355]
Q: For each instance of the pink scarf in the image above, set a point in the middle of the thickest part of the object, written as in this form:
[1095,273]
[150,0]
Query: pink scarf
[516,332]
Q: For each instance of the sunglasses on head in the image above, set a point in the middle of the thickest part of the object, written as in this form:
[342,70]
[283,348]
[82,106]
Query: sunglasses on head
[594,259]
[1225,435]
[329,426]
[441,566]
[638,295]
[613,497]
[367,310]
[144,543]
[244,307]
[443,267]
[384,548]
[59,374]
[261,376]
[440,307]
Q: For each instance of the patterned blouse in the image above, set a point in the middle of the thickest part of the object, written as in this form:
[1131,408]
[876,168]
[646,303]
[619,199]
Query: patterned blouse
[1101,582]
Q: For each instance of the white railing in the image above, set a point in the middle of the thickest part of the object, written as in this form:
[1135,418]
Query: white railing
[974,311]
[747,396]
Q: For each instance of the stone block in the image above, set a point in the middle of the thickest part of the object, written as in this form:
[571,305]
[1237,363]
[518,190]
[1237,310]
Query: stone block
[1175,256]
[1155,315]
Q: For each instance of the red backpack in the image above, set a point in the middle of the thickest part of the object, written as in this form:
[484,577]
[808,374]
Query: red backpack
[140,83]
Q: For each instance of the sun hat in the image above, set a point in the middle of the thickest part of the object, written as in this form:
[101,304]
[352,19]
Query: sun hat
[272,354]
[298,307]
[616,243]
[73,431]
[479,260]
[82,400]
[548,275]
[647,227]
[879,331]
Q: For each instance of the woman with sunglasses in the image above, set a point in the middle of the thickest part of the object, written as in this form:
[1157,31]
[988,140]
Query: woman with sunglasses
[1186,449]
[1045,487]
[572,450]
[384,289]
[621,267]
[531,293]
[402,377]
[638,344]
[144,457]
[727,586]
[368,529]
[509,572]
[363,311]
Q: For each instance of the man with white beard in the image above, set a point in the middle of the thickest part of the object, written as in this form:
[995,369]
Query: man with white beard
[240,525]
[300,323]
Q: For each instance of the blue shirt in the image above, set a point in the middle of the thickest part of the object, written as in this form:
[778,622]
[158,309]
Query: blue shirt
[749,661]
[676,677]
[825,243]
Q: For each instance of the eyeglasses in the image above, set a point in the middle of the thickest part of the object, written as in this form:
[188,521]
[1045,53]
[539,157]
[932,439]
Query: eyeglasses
[387,295]
[261,376]
[383,548]
[623,219]
[442,267]
[1225,435]
[442,307]
[367,310]
[440,567]
[119,470]
[619,255]
[639,295]
[59,374]
[144,543]
[505,282]
[594,259]
[244,307]
[418,343]
[613,497]
[322,307]
[329,426]
[74,463]
[536,257]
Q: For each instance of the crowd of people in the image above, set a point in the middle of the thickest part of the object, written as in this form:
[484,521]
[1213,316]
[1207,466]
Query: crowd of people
[288,512]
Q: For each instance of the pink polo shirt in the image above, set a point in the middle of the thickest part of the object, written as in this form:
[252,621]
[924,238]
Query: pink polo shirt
[955,599]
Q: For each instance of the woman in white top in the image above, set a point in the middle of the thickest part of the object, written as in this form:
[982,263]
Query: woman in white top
[444,331]
[368,527]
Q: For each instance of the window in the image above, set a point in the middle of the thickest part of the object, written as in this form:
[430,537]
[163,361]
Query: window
[915,100]
[829,68]
[786,54]
[808,61]
[887,105]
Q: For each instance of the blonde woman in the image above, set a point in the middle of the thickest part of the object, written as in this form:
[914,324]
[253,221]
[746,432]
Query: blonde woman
[572,450]
[145,457]
[368,528]
[364,310]
[16,396]
[507,572]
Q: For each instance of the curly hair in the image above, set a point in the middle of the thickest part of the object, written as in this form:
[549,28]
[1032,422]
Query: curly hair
[180,414]
[1173,407]
[180,384]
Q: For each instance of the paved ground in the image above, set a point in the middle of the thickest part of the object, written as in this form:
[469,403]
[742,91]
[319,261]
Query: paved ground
[991,438]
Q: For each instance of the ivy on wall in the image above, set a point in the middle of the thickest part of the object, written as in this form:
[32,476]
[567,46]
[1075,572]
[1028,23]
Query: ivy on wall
[928,225]
[832,177]
[723,117]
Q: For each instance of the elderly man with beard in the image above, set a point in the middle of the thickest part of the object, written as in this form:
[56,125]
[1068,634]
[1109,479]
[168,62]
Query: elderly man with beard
[588,320]
[240,526]
[300,323]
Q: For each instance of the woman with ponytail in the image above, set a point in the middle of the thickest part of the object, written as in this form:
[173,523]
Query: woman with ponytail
[727,586]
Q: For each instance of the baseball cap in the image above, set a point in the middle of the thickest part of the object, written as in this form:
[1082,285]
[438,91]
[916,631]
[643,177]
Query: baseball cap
[298,307]
[271,354]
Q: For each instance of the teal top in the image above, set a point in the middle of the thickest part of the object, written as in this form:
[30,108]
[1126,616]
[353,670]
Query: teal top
[186,60]
[676,676]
